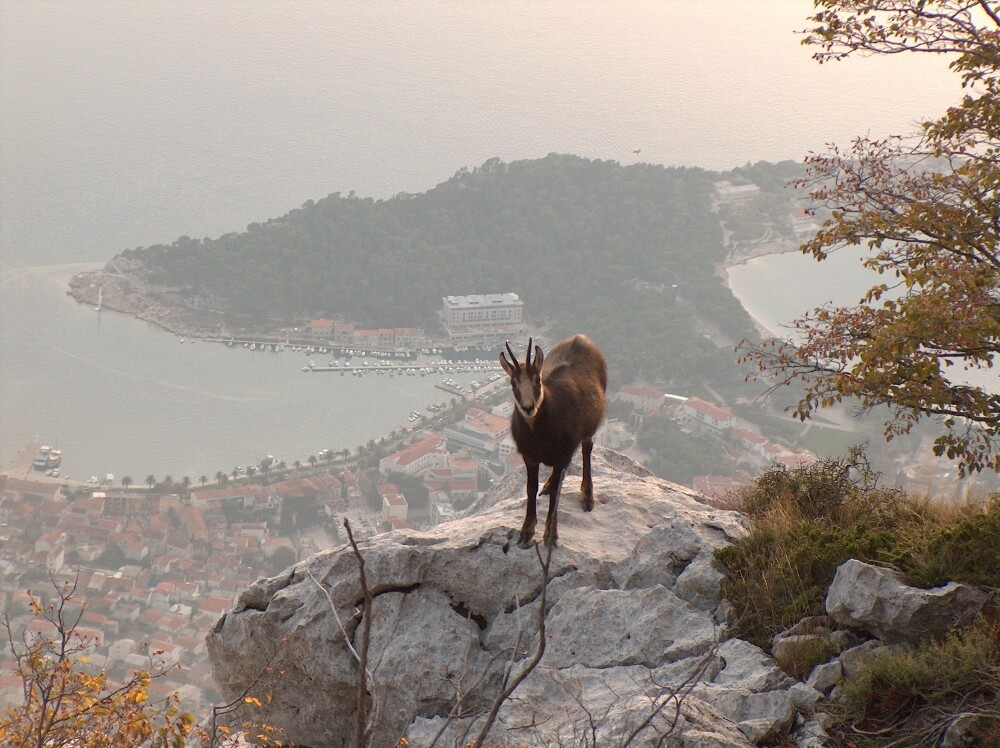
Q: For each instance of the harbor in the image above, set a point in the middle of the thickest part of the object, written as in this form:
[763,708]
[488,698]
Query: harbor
[407,369]
[39,463]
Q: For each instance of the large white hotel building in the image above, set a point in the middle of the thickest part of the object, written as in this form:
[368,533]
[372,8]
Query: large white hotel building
[482,317]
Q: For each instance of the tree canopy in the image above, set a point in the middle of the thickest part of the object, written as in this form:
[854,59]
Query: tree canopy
[626,253]
[927,211]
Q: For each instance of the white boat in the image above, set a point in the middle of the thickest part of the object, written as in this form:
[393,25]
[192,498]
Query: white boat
[100,299]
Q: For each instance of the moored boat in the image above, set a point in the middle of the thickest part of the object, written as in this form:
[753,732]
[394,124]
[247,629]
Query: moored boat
[42,458]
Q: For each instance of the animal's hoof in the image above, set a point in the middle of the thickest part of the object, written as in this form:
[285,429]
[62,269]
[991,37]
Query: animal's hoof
[550,542]
[526,538]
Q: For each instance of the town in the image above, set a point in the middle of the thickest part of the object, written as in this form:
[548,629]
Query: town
[156,566]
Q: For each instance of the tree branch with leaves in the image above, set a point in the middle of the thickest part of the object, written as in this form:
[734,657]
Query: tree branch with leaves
[67,704]
[927,212]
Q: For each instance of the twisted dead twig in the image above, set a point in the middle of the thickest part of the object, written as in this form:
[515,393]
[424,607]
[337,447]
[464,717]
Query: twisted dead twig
[363,728]
[533,663]
[676,695]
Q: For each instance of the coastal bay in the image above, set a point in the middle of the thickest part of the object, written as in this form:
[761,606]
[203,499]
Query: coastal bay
[119,395]
[200,119]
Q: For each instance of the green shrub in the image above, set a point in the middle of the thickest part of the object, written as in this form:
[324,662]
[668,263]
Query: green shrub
[964,547]
[780,574]
[799,658]
[807,521]
[913,694]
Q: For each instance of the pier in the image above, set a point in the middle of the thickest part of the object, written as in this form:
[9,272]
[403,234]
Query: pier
[22,464]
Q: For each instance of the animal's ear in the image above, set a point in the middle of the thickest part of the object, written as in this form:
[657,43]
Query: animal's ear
[507,366]
[539,358]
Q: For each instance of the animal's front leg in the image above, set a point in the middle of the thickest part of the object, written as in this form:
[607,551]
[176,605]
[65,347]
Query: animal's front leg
[528,528]
[552,518]
[547,487]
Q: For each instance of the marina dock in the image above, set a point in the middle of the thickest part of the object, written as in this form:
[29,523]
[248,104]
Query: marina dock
[22,464]
[379,367]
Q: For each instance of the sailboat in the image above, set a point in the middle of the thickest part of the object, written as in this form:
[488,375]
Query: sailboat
[100,299]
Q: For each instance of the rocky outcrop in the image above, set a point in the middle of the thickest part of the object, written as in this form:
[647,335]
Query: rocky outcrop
[880,601]
[634,641]
[124,288]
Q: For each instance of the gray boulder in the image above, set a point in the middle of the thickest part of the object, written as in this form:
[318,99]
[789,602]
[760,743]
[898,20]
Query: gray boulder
[632,642]
[879,601]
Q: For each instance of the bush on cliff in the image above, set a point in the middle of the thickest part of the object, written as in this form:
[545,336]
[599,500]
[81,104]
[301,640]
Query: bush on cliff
[809,520]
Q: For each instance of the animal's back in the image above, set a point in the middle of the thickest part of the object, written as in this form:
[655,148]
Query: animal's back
[575,375]
[575,354]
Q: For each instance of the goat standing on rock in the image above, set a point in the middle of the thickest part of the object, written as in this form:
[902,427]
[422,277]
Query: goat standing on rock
[559,403]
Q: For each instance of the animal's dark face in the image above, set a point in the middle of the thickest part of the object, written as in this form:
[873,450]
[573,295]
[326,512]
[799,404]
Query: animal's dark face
[525,381]
[527,389]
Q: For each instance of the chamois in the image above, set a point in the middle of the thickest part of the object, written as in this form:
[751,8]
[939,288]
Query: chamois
[559,403]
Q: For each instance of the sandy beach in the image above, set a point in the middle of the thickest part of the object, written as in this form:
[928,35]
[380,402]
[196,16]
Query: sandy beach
[722,270]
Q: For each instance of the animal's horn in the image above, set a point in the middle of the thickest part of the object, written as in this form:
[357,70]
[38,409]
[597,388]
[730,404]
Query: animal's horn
[527,360]
[513,358]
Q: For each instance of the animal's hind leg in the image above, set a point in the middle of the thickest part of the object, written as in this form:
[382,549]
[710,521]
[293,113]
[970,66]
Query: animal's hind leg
[528,528]
[552,518]
[587,485]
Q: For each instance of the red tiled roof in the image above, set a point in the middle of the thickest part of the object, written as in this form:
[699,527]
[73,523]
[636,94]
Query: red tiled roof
[712,411]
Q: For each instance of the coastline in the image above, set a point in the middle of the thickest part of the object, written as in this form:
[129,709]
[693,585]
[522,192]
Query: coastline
[126,293]
[103,364]
[722,270]
[743,258]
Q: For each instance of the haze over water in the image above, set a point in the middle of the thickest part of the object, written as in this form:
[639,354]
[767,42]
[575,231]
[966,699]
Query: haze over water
[126,124]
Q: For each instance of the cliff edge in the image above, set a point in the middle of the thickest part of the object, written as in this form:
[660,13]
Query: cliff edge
[635,630]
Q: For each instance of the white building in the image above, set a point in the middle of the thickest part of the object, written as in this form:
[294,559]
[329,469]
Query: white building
[695,410]
[482,316]
[394,506]
[727,192]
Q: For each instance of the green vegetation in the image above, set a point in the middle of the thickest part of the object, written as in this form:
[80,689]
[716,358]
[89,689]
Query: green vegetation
[681,454]
[914,694]
[808,521]
[412,487]
[627,253]
[799,658]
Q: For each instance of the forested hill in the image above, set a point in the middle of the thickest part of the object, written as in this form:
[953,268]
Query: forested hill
[625,253]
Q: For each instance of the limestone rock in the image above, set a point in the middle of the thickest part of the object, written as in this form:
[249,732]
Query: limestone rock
[748,666]
[761,716]
[825,676]
[628,621]
[880,602]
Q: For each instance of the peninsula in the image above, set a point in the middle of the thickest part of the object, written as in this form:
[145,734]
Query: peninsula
[629,253]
